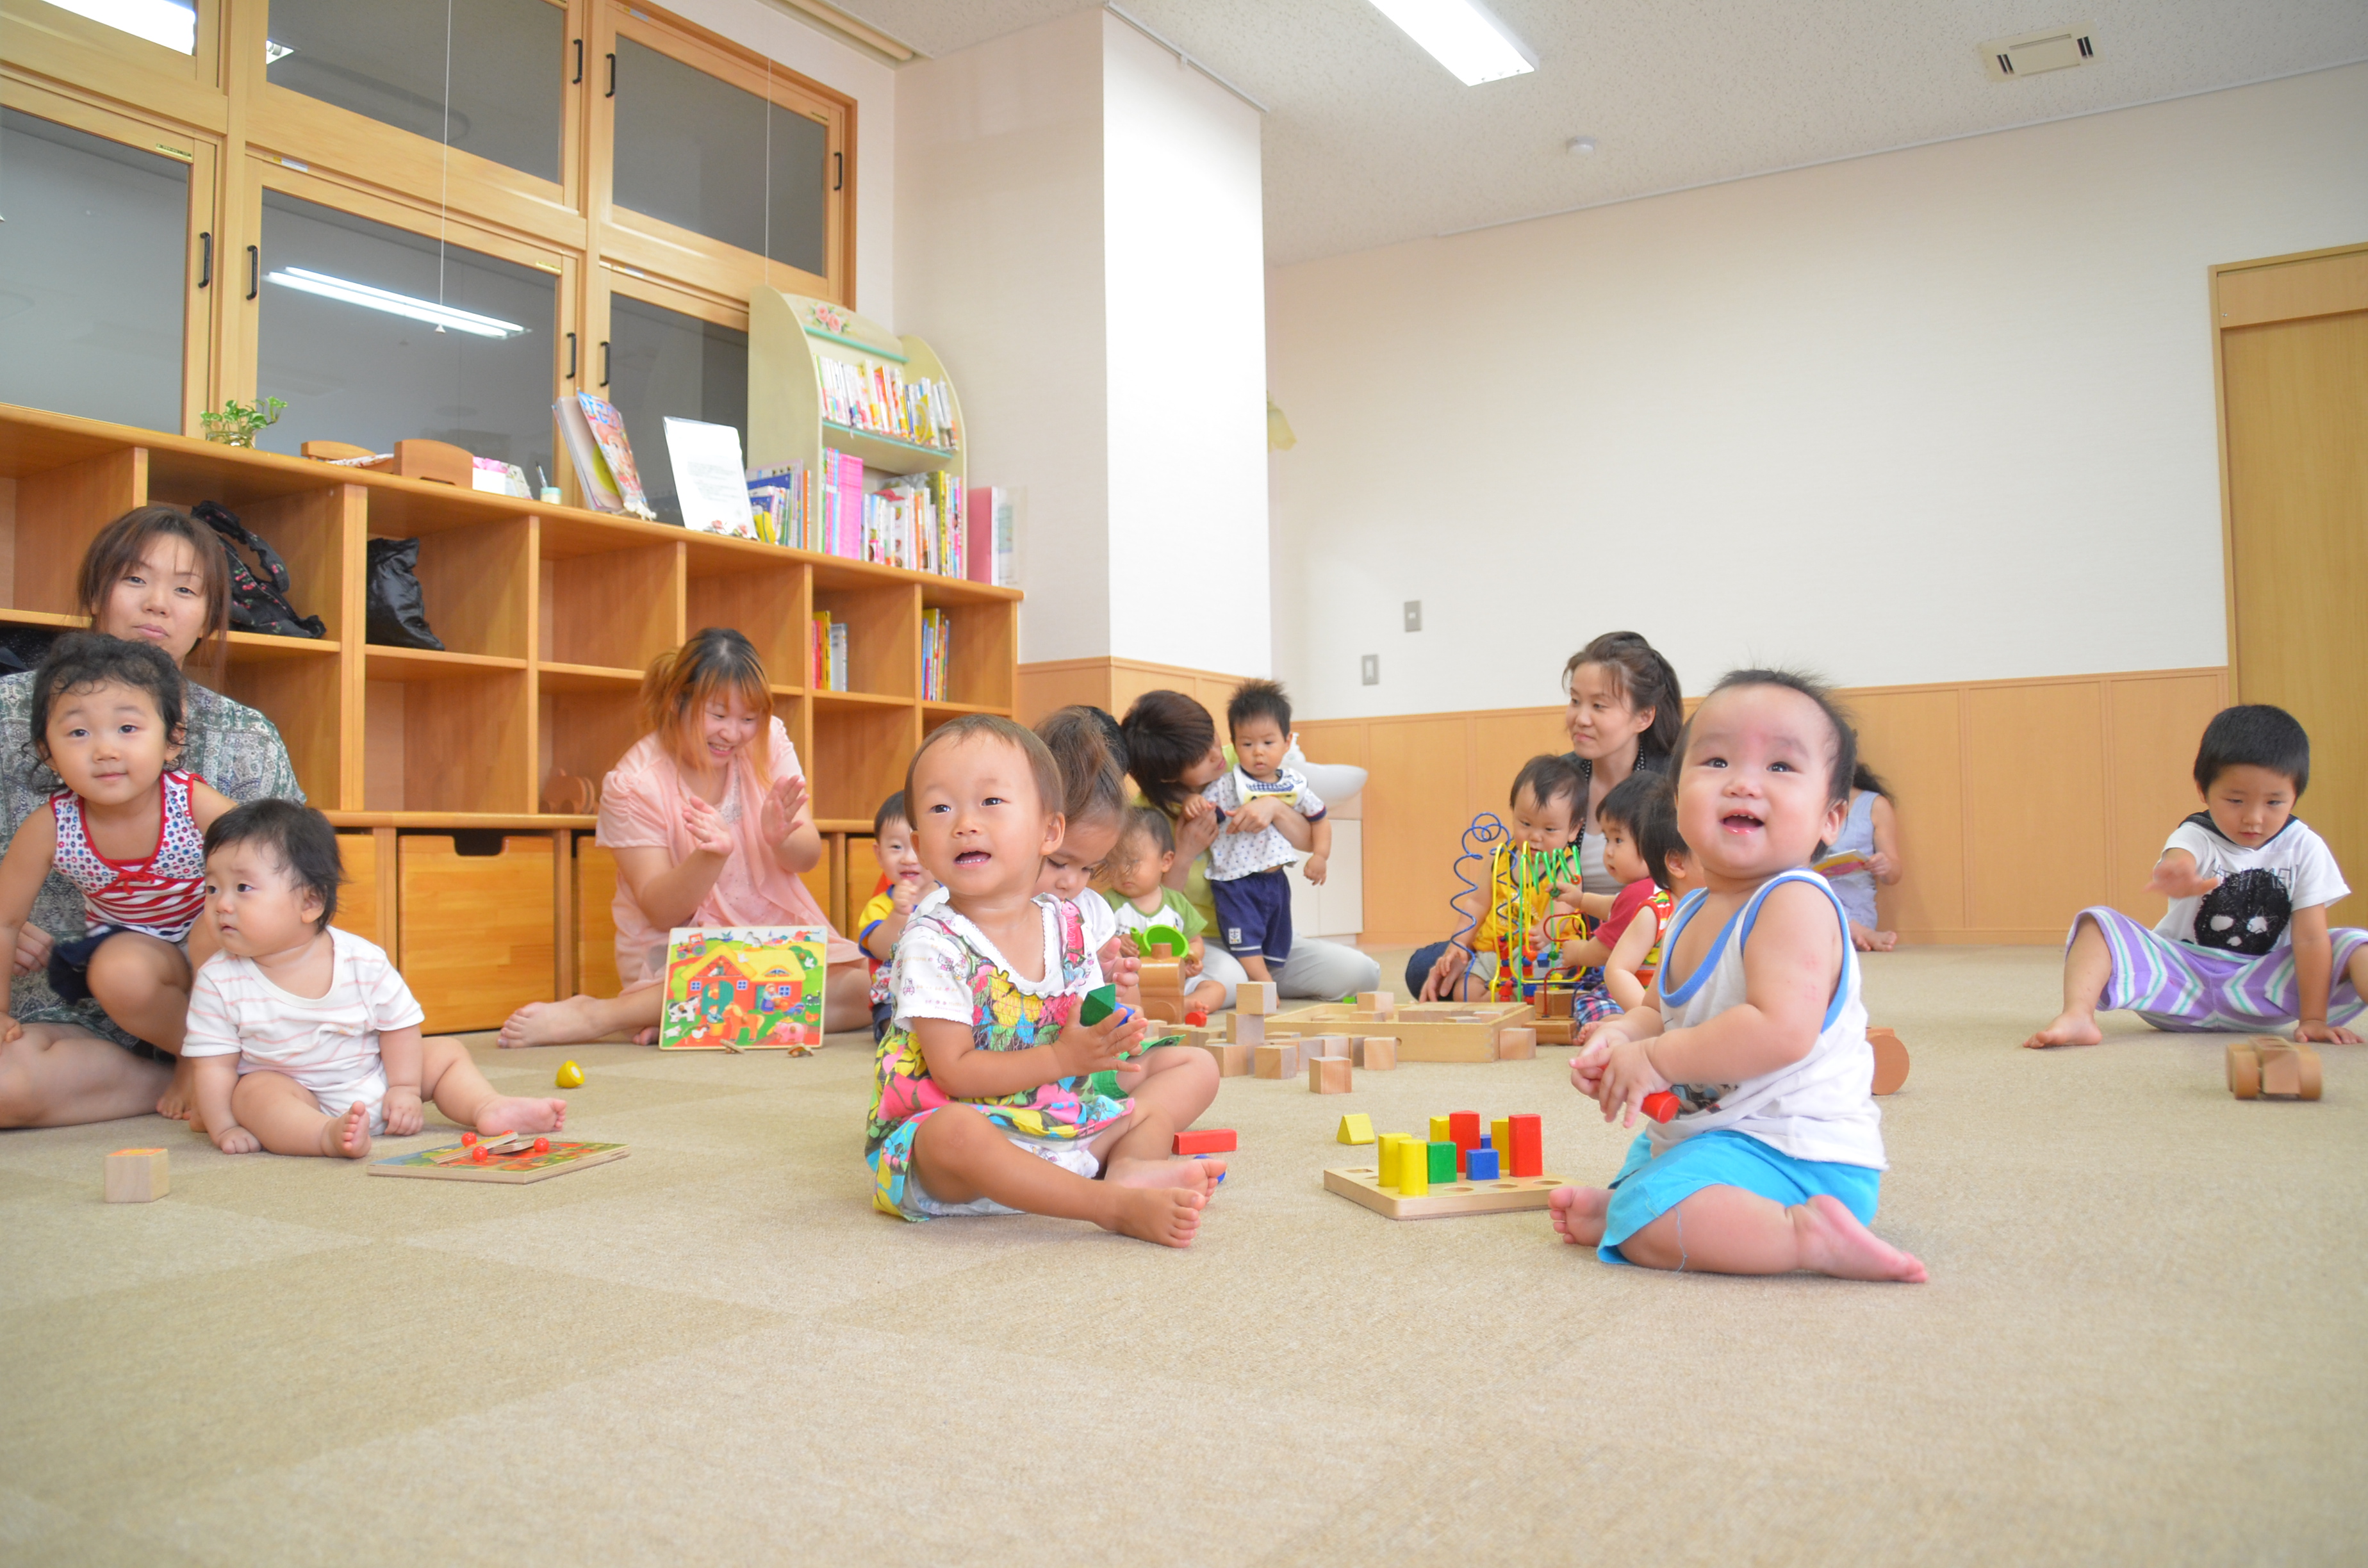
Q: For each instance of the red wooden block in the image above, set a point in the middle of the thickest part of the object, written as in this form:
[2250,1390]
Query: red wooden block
[1528,1135]
[1661,1105]
[1463,1129]
[1206,1141]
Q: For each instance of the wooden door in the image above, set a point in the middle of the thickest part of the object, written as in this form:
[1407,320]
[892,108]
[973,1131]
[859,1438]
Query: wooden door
[2294,389]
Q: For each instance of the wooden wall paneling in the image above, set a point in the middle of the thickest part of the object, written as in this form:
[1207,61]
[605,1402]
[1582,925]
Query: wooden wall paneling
[1501,742]
[2148,721]
[1415,816]
[1056,684]
[2035,834]
[60,511]
[1916,740]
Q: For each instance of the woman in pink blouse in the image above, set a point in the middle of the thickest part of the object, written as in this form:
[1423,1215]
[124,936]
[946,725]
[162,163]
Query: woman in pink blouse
[707,818]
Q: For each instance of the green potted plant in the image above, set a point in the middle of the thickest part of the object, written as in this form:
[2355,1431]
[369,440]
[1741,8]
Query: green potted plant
[237,423]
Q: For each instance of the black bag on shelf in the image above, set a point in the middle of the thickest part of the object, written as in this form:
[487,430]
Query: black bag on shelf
[256,604]
[398,615]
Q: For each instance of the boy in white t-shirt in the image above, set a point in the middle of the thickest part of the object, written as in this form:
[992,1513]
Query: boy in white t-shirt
[322,1032]
[2245,944]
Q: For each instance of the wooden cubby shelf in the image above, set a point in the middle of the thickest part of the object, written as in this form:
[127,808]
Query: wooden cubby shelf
[549,616]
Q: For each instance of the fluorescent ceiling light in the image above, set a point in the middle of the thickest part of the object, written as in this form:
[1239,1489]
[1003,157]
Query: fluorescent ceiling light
[362,294]
[172,23]
[1462,36]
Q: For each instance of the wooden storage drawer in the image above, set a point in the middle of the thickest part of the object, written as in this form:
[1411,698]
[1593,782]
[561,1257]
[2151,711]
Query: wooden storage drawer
[595,921]
[358,900]
[480,932]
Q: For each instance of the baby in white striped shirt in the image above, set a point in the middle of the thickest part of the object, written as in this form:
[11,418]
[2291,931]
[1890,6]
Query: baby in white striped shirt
[322,1032]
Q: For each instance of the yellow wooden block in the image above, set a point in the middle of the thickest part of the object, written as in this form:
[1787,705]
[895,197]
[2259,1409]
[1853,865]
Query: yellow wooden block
[1414,1168]
[1500,1138]
[1356,1128]
[1392,1144]
[1439,1130]
[138,1176]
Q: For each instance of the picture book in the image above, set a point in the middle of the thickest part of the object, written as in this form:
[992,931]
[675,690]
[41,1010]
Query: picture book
[709,479]
[744,988]
[596,439]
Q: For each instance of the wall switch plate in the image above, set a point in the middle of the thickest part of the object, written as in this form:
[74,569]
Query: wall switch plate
[1414,615]
[1370,669]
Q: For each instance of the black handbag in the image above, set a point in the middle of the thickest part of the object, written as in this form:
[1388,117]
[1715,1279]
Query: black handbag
[256,604]
[398,613]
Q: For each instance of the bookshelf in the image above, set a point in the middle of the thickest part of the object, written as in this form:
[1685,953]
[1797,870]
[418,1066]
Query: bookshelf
[548,615]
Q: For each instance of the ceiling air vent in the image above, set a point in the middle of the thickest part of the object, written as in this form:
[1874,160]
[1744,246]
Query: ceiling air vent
[2028,54]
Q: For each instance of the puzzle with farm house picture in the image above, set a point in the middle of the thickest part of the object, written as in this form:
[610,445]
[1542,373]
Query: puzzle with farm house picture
[744,988]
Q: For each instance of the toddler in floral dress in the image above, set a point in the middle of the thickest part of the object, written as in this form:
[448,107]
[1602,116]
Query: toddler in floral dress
[982,1102]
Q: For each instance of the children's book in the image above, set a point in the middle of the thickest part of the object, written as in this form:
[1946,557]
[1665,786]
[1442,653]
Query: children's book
[604,459]
[1842,864]
[744,988]
[710,481]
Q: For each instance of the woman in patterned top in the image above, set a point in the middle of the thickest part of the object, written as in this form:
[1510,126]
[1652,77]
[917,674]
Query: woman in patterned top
[155,576]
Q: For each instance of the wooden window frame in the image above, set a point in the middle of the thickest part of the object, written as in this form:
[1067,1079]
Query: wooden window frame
[47,41]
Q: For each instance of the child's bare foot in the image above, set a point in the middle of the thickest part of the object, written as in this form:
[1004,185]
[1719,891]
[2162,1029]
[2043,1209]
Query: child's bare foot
[1168,1215]
[511,1115]
[1833,1241]
[179,1100]
[1578,1214]
[1885,941]
[576,1021]
[1196,1175]
[348,1137]
[2067,1028]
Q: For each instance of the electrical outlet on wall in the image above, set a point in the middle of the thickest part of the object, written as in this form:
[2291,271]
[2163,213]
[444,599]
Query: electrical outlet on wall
[1370,669]
[1414,615]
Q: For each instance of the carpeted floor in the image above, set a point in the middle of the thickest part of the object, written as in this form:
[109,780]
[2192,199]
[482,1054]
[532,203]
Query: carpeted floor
[2143,1340]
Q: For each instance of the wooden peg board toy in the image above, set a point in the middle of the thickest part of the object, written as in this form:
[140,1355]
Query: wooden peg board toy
[2268,1066]
[1425,1031]
[1358,1184]
[1461,1167]
[511,1160]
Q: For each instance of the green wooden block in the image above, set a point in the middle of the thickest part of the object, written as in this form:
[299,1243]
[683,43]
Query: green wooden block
[1098,1004]
[1442,1162]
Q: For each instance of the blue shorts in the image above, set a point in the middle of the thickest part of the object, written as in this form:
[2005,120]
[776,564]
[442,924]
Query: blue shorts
[1648,1188]
[1253,916]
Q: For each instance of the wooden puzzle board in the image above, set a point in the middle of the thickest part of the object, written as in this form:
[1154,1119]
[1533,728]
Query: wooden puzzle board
[1426,1031]
[452,1162]
[1446,1200]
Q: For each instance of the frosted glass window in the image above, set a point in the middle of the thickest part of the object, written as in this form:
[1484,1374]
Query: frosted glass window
[349,336]
[172,23]
[663,363]
[510,62]
[690,149]
[92,274]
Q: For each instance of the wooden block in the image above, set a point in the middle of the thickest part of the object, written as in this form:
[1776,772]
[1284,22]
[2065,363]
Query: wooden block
[1381,1004]
[1162,979]
[1232,1060]
[1890,1060]
[138,1176]
[1334,1045]
[1277,1060]
[1356,1129]
[1553,1004]
[1553,1031]
[1428,1031]
[1205,1141]
[335,451]
[1328,1075]
[1248,1029]
[1517,1045]
[1377,1054]
[1255,996]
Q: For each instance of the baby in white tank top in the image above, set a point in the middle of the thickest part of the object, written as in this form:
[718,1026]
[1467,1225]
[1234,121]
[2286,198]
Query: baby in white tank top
[1749,1055]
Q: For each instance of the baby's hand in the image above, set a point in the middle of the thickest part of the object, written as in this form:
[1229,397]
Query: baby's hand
[1098,1048]
[1627,1075]
[2319,1031]
[2175,876]
[1313,870]
[403,1114]
[236,1140]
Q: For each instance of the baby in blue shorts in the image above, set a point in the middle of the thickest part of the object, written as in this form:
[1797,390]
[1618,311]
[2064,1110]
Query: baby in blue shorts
[1749,1053]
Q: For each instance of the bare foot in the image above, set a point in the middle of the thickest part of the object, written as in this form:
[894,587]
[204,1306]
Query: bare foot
[1578,1214]
[576,1021]
[179,1100]
[1168,1215]
[1833,1241]
[510,1115]
[1885,941]
[348,1137]
[2067,1028]
[646,1037]
[1195,1174]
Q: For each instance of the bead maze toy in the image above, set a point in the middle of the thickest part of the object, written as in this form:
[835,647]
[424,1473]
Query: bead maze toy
[507,1159]
[138,1176]
[1457,1169]
[1422,1031]
[1519,897]
[2279,1069]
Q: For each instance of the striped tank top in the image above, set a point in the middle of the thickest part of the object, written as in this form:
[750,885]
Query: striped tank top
[163,894]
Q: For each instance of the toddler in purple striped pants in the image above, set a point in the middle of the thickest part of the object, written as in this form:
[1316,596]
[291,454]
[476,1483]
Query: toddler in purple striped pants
[2246,946]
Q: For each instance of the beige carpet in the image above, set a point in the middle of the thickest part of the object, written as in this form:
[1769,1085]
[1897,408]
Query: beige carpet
[2143,1341]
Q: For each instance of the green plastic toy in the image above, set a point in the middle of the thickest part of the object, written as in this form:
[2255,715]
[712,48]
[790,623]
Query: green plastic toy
[1154,937]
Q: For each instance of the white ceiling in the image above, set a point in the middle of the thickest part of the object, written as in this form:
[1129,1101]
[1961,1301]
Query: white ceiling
[1370,141]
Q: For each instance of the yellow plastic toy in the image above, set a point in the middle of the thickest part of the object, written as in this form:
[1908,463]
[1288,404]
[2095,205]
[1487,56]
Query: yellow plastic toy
[571,1076]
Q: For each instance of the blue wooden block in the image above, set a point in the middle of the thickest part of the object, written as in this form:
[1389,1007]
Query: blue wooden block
[1480,1164]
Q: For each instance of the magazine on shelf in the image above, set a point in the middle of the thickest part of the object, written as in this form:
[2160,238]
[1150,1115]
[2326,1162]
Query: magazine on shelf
[594,434]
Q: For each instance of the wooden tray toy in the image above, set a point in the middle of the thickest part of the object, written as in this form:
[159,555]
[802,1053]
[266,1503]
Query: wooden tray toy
[1463,1166]
[1360,1184]
[1426,1031]
[513,1159]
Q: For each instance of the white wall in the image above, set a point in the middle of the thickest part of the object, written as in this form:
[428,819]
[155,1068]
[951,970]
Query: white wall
[873,84]
[1943,414]
[1186,295]
[999,266]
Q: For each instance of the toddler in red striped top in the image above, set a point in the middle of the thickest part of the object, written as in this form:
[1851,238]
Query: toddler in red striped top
[128,829]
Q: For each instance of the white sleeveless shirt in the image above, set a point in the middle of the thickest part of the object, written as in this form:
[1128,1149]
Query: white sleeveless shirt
[1820,1108]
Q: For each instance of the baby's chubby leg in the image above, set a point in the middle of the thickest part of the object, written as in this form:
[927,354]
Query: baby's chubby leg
[286,1118]
[960,1155]
[1725,1230]
[449,1078]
